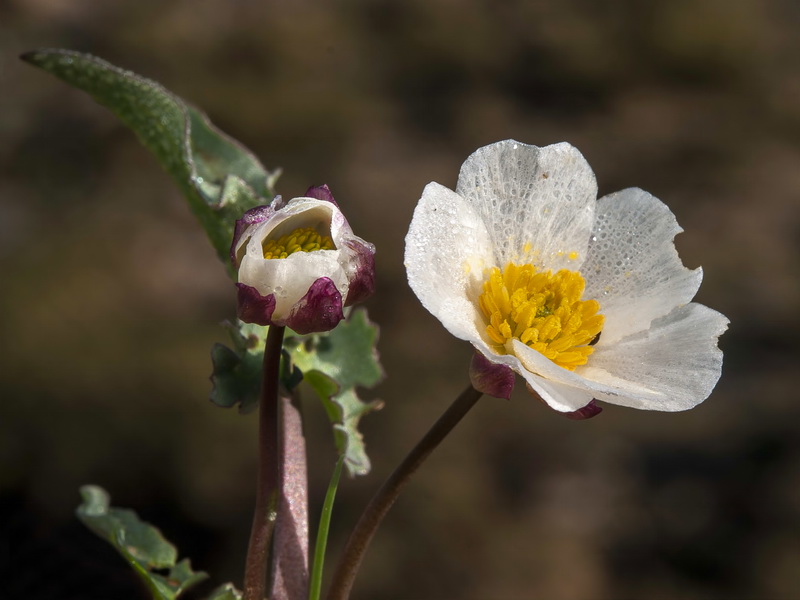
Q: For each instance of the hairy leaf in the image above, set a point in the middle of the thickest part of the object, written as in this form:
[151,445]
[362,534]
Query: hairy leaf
[334,365]
[141,544]
[219,177]
[236,372]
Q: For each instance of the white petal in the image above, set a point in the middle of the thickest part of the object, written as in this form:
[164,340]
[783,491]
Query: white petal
[673,366]
[447,249]
[538,203]
[559,396]
[539,365]
[305,212]
[677,358]
[289,278]
[632,268]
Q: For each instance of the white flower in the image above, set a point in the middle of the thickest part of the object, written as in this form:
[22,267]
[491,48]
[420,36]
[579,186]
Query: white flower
[502,262]
[299,263]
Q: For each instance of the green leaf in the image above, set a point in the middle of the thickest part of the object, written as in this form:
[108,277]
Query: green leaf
[226,592]
[237,372]
[141,544]
[315,582]
[219,177]
[235,378]
[334,365]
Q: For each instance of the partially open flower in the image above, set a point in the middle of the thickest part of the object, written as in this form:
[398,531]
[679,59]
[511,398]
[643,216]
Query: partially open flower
[584,298]
[299,263]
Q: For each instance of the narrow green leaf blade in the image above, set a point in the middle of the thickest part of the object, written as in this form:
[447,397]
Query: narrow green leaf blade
[315,583]
[141,544]
[219,177]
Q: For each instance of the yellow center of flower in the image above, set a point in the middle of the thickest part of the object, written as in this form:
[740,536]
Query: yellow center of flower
[302,239]
[542,310]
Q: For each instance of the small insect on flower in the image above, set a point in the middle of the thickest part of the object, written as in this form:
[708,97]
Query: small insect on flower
[299,263]
[585,298]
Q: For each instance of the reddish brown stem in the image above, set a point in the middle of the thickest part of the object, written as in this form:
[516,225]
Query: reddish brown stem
[290,545]
[269,472]
[383,500]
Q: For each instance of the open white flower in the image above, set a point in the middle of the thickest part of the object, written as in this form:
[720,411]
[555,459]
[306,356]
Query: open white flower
[585,298]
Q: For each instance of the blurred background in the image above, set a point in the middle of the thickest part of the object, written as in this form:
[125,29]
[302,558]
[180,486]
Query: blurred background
[111,296]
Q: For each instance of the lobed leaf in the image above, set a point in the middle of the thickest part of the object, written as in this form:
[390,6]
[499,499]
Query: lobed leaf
[334,364]
[141,544]
[236,373]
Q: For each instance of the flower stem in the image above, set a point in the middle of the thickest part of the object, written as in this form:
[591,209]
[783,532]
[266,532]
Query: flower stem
[269,471]
[289,571]
[385,497]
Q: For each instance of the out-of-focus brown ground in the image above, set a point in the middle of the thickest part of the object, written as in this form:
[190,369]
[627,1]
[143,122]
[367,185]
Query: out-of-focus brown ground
[111,296]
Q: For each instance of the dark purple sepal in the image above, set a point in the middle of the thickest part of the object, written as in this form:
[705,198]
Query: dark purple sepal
[319,310]
[491,378]
[362,285]
[253,307]
[321,192]
[255,215]
[587,412]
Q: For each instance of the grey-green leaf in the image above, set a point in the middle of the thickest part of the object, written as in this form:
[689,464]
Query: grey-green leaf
[347,353]
[141,544]
[236,374]
[334,365]
[219,177]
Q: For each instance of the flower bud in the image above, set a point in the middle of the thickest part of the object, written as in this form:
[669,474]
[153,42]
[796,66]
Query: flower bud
[299,263]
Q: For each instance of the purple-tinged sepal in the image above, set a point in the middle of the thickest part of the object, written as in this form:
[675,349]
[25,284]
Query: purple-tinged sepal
[362,263]
[253,307]
[319,310]
[321,192]
[492,379]
[254,216]
[587,412]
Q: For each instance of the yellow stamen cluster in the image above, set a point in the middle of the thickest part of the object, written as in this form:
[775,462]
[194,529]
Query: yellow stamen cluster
[542,310]
[303,239]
